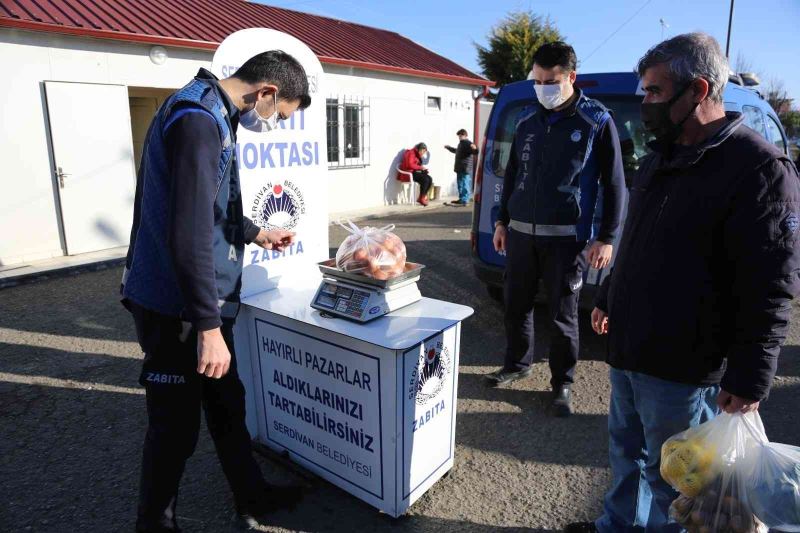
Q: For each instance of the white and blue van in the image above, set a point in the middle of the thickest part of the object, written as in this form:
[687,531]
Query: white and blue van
[622,94]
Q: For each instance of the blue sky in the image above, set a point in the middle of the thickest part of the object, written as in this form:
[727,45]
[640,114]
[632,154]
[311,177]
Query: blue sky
[766,32]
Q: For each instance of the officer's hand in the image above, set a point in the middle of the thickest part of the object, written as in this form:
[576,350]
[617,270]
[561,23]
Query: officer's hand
[499,239]
[599,321]
[600,254]
[730,403]
[276,239]
[213,356]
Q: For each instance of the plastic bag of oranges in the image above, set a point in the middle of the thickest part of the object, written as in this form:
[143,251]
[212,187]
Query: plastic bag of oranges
[374,252]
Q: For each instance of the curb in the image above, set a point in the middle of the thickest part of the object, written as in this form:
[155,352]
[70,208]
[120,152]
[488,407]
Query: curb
[60,272]
[360,216]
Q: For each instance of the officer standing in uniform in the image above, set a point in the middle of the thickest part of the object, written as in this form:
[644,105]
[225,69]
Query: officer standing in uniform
[183,275]
[563,152]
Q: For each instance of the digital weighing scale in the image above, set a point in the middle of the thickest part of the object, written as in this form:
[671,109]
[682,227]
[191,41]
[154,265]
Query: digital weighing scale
[361,298]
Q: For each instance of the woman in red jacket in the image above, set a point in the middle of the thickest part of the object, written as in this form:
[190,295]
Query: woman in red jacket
[412,162]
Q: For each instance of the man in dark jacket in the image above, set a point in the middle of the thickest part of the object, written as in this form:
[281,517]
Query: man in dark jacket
[183,275]
[465,151]
[698,303]
[563,151]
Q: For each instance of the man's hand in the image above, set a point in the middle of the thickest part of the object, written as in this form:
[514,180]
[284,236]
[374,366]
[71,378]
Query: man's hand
[731,403]
[213,356]
[276,239]
[448,147]
[600,254]
[499,239]
[599,321]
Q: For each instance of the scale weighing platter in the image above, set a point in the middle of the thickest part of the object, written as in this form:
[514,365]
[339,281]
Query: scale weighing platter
[361,298]
[329,269]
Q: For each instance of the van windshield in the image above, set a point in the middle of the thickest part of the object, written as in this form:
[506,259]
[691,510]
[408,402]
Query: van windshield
[632,135]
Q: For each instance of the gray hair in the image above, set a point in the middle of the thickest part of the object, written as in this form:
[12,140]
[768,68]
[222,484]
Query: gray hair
[690,56]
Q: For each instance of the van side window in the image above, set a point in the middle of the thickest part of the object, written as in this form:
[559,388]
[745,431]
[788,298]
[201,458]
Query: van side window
[775,134]
[504,135]
[754,119]
[633,137]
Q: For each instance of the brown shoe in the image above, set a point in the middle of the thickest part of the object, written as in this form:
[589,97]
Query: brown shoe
[423,200]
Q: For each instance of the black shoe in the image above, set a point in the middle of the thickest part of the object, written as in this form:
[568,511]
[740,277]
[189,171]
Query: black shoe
[562,401]
[581,527]
[502,376]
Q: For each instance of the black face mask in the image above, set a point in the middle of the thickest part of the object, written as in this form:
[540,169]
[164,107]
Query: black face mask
[655,117]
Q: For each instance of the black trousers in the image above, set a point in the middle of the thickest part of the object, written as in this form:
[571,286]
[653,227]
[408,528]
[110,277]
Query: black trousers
[560,265]
[175,393]
[425,181]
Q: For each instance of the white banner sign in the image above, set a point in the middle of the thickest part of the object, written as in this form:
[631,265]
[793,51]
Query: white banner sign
[283,172]
[322,402]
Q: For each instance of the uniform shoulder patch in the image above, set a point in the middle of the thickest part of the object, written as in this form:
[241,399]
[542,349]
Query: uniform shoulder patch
[790,223]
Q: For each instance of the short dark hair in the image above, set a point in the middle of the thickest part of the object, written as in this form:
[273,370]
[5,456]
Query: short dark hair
[277,68]
[556,54]
[462,131]
[421,146]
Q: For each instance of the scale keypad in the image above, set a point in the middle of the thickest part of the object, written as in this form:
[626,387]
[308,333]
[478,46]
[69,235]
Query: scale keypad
[343,300]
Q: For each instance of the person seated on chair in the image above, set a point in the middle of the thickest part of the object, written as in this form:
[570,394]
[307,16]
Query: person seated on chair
[412,162]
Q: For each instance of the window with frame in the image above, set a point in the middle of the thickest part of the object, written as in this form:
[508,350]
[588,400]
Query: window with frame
[348,132]
[754,119]
[775,135]
[332,127]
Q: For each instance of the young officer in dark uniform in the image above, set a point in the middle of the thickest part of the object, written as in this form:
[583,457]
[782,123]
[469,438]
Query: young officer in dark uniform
[563,152]
[183,275]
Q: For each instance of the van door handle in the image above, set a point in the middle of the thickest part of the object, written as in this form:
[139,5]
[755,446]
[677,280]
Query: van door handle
[60,175]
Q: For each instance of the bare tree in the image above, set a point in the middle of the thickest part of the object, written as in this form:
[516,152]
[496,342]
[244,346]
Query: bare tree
[777,95]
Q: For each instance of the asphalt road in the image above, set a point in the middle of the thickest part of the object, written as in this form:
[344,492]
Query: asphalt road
[72,417]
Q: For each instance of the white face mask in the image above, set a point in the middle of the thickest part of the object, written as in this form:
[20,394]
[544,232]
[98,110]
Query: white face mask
[550,96]
[253,121]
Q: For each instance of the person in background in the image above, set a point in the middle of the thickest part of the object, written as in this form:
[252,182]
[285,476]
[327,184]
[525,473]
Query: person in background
[182,279]
[698,303]
[562,153]
[413,162]
[465,151]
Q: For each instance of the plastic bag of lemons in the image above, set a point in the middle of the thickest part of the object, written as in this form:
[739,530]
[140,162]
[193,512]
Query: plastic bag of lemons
[688,465]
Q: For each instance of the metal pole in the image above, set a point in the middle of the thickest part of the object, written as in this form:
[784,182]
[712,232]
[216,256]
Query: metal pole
[730,25]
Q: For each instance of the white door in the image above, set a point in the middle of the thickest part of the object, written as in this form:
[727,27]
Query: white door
[90,130]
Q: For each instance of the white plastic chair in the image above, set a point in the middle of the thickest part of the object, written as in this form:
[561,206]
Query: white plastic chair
[408,186]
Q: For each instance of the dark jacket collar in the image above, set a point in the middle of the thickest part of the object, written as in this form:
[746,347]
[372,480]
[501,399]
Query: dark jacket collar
[690,155]
[233,111]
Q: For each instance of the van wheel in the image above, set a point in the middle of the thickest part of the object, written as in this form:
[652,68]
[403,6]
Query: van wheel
[495,293]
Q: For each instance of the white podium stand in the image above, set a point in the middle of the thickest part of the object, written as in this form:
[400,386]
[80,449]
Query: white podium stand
[369,407]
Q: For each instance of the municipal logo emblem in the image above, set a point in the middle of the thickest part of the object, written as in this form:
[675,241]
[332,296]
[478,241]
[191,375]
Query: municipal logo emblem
[278,206]
[432,369]
[576,136]
[791,223]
